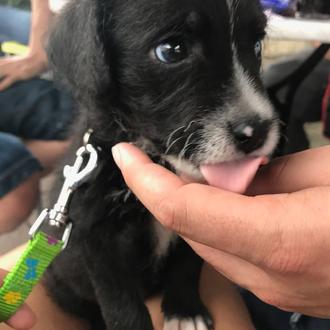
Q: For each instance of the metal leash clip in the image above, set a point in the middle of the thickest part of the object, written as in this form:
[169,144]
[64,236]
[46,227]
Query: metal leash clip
[74,176]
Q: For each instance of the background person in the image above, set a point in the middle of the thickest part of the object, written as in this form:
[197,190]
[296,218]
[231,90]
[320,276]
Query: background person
[34,115]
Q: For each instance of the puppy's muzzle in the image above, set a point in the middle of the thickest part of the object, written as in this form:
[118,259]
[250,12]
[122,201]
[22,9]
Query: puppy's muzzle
[249,135]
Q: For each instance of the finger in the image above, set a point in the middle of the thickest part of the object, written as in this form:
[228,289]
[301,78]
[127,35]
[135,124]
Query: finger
[6,83]
[129,158]
[4,61]
[284,294]
[3,74]
[198,212]
[239,271]
[262,284]
[6,68]
[23,319]
[281,174]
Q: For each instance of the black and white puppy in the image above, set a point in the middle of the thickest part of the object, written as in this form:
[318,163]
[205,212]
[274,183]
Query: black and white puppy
[181,79]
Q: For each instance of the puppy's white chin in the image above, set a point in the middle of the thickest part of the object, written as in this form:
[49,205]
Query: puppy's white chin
[185,169]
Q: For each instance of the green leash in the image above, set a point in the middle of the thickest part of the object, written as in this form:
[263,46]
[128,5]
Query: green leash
[43,248]
[18,284]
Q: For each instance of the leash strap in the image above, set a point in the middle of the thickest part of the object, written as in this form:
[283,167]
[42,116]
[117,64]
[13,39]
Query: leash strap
[43,248]
[40,252]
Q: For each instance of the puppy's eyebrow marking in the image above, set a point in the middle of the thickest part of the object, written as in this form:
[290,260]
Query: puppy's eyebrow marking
[193,20]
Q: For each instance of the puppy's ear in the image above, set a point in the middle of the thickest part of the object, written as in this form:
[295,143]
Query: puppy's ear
[75,52]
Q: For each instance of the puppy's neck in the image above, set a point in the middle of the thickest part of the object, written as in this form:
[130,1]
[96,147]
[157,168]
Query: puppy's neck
[146,145]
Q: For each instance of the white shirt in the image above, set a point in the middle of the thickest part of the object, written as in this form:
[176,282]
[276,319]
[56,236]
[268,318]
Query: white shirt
[56,5]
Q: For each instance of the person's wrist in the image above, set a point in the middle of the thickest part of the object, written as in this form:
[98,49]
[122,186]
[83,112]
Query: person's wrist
[38,58]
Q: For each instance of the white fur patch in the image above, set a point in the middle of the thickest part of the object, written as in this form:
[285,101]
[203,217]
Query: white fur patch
[200,324]
[183,166]
[172,324]
[249,96]
[185,324]
[164,238]
[248,131]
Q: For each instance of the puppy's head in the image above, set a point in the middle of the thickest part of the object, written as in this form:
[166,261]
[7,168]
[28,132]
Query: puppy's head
[181,75]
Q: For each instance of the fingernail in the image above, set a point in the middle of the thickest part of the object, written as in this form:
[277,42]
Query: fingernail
[116,154]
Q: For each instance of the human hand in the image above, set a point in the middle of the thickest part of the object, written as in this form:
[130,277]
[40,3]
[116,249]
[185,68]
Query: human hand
[16,68]
[24,319]
[276,245]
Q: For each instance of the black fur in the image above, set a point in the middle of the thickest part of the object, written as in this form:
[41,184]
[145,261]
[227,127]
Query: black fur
[104,52]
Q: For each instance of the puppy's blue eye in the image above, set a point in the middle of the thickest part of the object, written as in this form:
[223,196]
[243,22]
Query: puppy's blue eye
[171,51]
[258,49]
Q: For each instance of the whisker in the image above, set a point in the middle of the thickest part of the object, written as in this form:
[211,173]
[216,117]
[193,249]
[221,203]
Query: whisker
[172,135]
[181,154]
[189,125]
[282,122]
[120,124]
[285,137]
[172,144]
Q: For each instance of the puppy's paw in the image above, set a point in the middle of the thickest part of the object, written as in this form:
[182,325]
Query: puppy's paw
[197,323]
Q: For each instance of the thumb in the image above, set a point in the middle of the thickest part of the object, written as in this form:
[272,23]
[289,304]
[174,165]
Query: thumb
[6,82]
[150,182]
[24,318]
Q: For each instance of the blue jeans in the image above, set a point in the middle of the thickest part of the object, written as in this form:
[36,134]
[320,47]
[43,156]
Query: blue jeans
[266,317]
[14,25]
[29,110]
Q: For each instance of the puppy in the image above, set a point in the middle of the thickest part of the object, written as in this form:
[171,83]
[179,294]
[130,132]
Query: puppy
[181,80]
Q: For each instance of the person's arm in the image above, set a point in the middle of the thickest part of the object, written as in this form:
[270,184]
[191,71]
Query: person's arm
[41,19]
[17,68]
[24,319]
[275,245]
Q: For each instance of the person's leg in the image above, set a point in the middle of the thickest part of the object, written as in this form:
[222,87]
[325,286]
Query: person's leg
[14,24]
[21,168]
[40,115]
[310,323]
[48,153]
[36,110]
[17,205]
[266,317]
[19,181]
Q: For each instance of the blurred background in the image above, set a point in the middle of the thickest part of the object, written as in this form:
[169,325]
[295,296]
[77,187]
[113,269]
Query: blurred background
[24,4]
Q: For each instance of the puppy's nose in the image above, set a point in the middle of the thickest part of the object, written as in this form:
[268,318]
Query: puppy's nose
[250,135]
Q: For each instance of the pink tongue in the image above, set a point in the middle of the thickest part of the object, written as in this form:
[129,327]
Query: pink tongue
[233,176]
